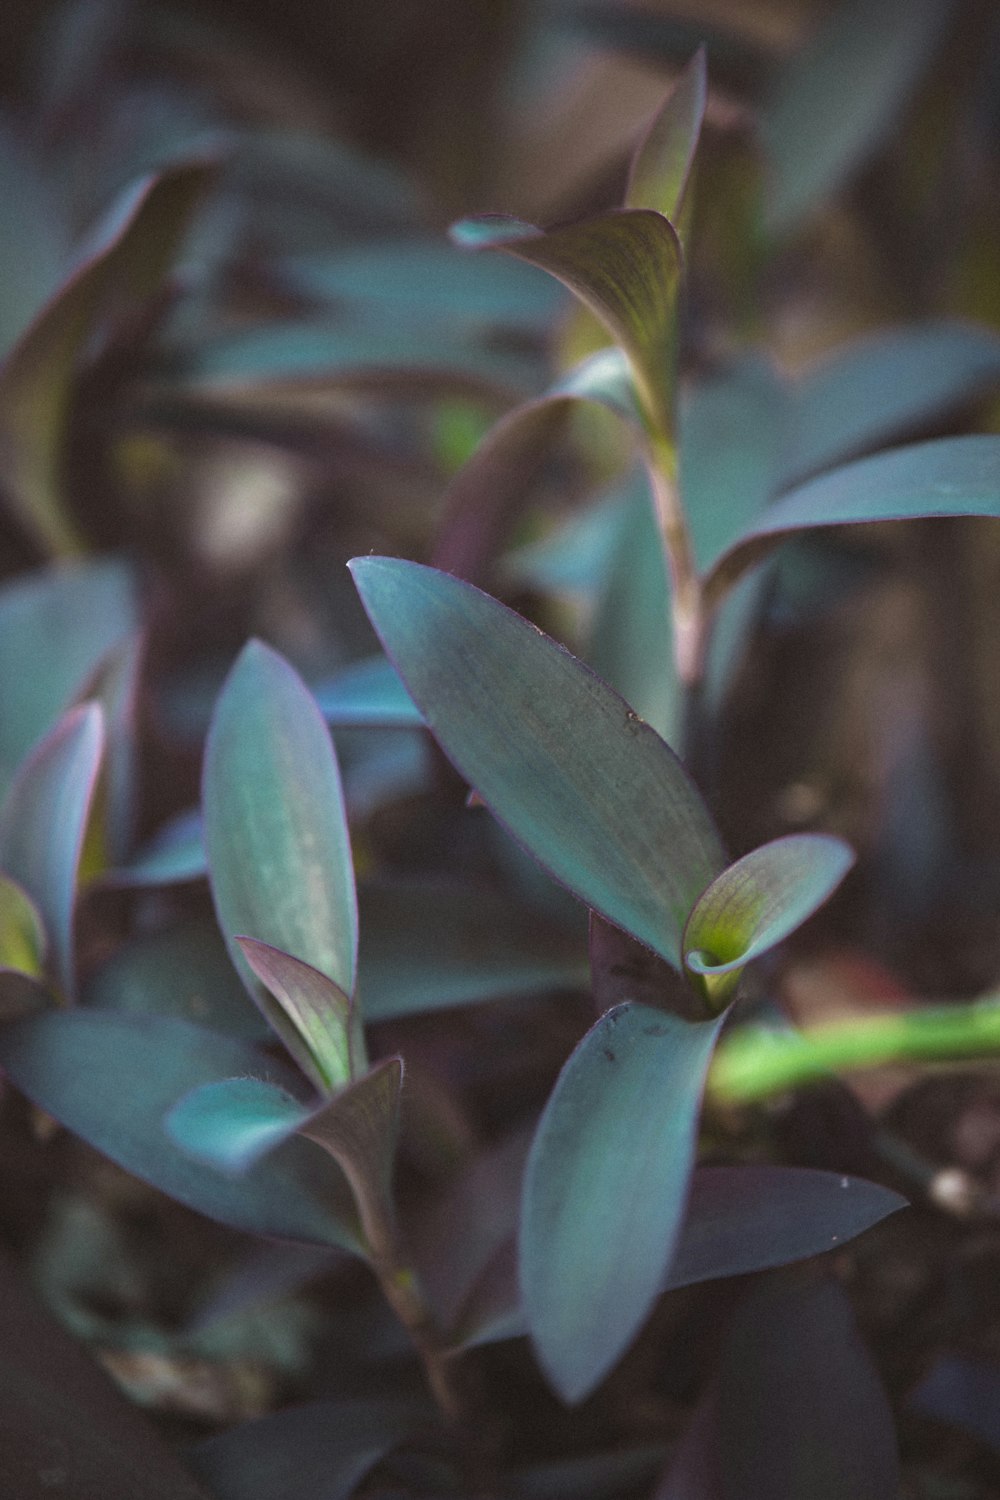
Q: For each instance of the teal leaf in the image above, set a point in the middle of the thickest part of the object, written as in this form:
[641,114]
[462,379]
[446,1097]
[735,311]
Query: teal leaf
[814,142]
[22,931]
[231,1124]
[661,169]
[175,854]
[56,627]
[625,266]
[33,241]
[112,1079]
[274,823]
[756,903]
[610,812]
[43,823]
[948,477]
[605,1188]
[801,1408]
[321,1451]
[312,1015]
[431,944]
[367,694]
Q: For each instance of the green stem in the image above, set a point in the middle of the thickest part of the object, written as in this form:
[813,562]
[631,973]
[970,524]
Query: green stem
[757,1062]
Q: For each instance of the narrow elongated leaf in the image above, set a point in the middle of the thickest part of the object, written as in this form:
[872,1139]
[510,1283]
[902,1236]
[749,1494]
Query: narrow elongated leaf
[801,1409]
[274,823]
[367,694]
[56,626]
[626,267]
[814,143]
[313,1017]
[321,1451]
[949,477]
[585,785]
[112,1079]
[174,855]
[43,822]
[33,241]
[22,932]
[693,1472]
[861,395]
[605,1188]
[757,903]
[660,173]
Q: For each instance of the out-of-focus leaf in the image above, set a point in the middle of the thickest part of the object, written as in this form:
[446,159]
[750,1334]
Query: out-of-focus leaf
[435,943]
[631,639]
[814,142]
[732,435]
[233,1123]
[863,394]
[599,1476]
[56,626]
[367,694]
[64,1429]
[949,477]
[22,932]
[801,1410]
[275,829]
[605,1188]
[758,902]
[112,1079]
[43,822]
[175,853]
[626,267]
[314,1013]
[576,558]
[965,1393]
[124,262]
[321,1451]
[610,812]
[660,173]
[115,686]
[183,972]
[693,1472]
[33,240]
[428,278]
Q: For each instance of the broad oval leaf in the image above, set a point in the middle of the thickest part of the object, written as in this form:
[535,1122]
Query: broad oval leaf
[112,1079]
[313,1016]
[661,169]
[758,902]
[605,1188]
[274,823]
[949,477]
[588,788]
[625,266]
[43,823]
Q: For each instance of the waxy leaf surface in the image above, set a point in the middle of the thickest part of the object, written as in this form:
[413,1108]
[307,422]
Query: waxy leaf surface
[274,822]
[43,823]
[605,1188]
[588,788]
[758,902]
[313,1014]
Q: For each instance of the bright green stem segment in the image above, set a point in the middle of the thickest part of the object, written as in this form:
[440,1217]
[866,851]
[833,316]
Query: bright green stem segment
[756,1062]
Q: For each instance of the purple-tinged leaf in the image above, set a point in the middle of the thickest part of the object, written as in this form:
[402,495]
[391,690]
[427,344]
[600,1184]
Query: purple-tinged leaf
[801,1409]
[115,685]
[661,169]
[112,1080]
[605,1188]
[312,1015]
[367,694]
[625,266]
[321,1451]
[948,477]
[965,1393]
[43,823]
[589,789]
[274,823]
[22,931]
[758,902]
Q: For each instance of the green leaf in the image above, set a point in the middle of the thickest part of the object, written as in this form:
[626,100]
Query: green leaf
[112,1079]
[874,56]
[56,627]
[605,1188]
[949,477]
[436,943]
[22,931]
[758,902]
[43,822]
[123,264]
[863,394]
[274,823]
[626,267]
[588,788]
[661,169]
[313,1017]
